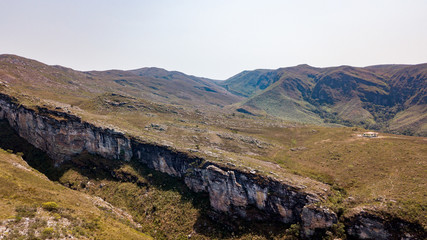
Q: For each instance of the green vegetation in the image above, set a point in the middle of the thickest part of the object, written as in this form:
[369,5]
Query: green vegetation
[374,97]
[50,206]
[294,231]
[162,206]
[386,173]
[363,171]
[48,233]
[25,213]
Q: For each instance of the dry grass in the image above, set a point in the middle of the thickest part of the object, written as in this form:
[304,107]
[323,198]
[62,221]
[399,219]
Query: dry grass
[22,194]
[387,172]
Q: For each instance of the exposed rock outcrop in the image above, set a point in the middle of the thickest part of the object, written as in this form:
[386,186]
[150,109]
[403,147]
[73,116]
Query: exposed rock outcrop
[231,191]
[317,219]
[364,224]
[368,227]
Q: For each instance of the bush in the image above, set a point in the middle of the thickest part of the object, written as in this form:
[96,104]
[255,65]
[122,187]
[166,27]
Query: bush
[294,231]
[56,216]
[338,230]
[47,232]
[50,206]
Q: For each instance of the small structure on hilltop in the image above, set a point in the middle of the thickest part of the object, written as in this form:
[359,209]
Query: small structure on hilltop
[370,134]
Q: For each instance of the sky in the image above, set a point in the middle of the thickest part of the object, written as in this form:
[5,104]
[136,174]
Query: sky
[214,39]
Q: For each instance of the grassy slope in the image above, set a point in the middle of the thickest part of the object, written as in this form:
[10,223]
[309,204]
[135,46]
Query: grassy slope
[371,171]
[411,85]
[163,86]
[413,120]
[361,167]
[368,96]
[64,84]
[280,93]
[248,83]
[277,103]
[22,193]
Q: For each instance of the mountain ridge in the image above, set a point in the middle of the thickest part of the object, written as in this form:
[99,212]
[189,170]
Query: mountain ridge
[116,114]
[343,94]
[154,84]
[379,97]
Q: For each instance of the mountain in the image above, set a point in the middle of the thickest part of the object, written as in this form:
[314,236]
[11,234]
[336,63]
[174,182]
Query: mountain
[384,97]
[391,98]
[178,156]
[283,93]
[165,86]
[152,84]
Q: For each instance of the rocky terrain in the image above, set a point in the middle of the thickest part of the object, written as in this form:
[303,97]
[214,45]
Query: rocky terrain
[230,190]
[314,181]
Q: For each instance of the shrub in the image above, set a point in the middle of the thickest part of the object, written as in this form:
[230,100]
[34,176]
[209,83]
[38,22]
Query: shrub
[338,230]
[294,231]
[57,216]
[47,232]
[50,206]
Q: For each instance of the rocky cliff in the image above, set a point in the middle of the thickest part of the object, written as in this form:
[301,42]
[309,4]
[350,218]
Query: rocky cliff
[231,191]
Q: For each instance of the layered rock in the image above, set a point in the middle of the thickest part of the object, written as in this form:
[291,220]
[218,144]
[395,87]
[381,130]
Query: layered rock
[231,191]
[62,135]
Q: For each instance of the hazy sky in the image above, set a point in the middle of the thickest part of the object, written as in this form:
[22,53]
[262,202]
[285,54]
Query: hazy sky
[216,38]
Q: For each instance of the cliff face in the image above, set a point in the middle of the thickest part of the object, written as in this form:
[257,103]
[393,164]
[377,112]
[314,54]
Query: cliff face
[250,196]
[231,191]
[63,138]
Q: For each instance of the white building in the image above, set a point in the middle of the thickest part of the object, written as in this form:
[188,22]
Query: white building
[370,134]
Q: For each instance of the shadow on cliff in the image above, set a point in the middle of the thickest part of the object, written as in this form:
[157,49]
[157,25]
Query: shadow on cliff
[123,183]
[36,158]
[207,222]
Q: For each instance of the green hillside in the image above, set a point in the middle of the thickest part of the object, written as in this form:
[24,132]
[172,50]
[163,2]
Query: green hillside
[275,128]
[151,84]
[373,97]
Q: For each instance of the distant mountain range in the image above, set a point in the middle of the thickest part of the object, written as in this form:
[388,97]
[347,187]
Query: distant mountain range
[390,98]
[151,84]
